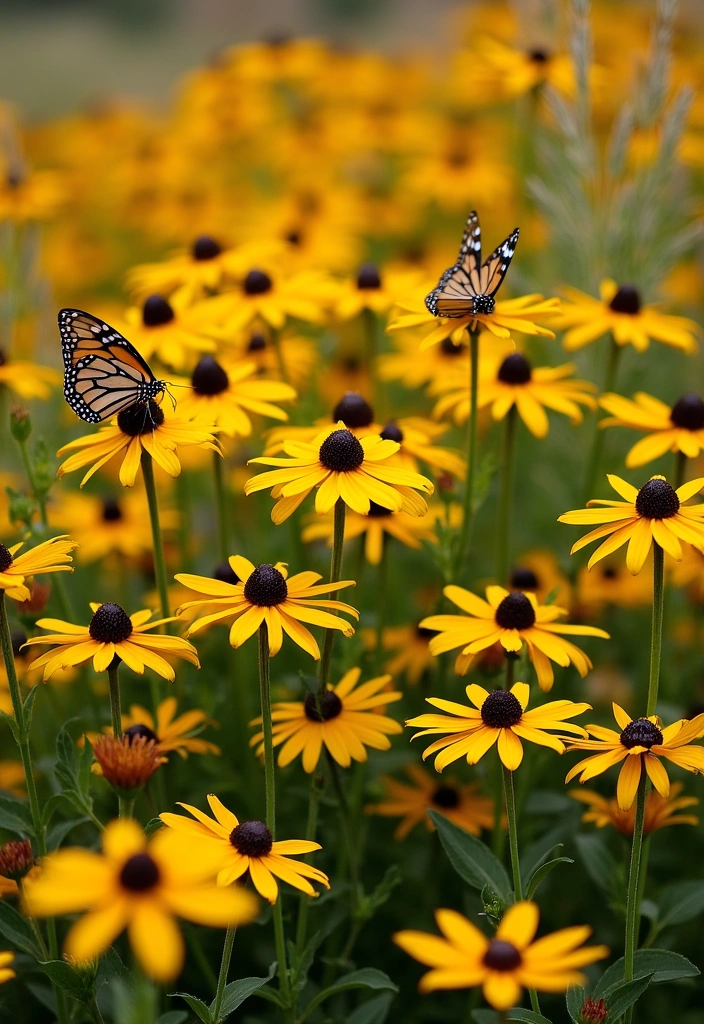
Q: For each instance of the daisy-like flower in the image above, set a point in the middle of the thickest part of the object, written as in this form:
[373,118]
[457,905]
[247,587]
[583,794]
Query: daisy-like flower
[167,330]
[371,290]
[512,618]
[266,593]
[28,380]
[29,195]
[539,572]
[619,310]
[517,383]
[224,392]
[462,804]
[266,297]
[137,429]
[499,717]
[413,368]
[611,583]
[521,315]
[679,428]
[109,525]
[464,957]
[169,731]
[294,351]
[411,644]
[50,556]
[141,886]
[349,720]
[498,71]
[660,811]
[111,633]
[6,960]
[248,846]
[375,527]
[656,512]
[641,743]
[339,465]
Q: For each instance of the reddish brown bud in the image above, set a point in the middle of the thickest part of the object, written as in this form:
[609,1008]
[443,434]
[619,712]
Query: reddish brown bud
[127,763]
[445,483]
[16,859]
[593,1011]
[38,599]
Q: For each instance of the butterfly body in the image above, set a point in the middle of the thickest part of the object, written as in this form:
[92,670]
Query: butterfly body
[103,372]
[468,288]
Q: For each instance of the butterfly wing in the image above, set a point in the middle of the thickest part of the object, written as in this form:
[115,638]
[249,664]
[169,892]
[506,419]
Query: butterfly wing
[103,372]
[494,269]
[459,284]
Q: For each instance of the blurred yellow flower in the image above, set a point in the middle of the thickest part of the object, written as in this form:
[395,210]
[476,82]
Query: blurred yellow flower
[660,811]
[679,428]
[108,525]
[521,315]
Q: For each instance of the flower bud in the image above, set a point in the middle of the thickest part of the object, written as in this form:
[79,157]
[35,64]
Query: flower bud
[593,1011]
[16,859]
[22,508]
[20,423]
[38,600]
[127,763]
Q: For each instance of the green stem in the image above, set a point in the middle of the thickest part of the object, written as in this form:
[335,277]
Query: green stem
[656,633]
[680,469]
[506,498]
[381,603]
[497,842]
[599,435]
[338,538]
[125,806]
[221,506]
[115,703]
[633,885]
[468,512]
[224,970]
[642,876]
[157,538]
[281,362]
[316,787]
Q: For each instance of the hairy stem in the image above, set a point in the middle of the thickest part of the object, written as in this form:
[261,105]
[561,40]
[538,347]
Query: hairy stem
[338,538]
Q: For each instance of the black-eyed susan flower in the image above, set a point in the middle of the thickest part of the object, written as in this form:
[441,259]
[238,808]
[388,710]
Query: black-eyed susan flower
[266,593]
[539,572]
[464,957]
[462,804]
[610,583]
[531,390]
[27,196]
[28,380]
[414,369]
[655,512]
[512,618]
[498,71]
[138,885]
[295,352]
[339,465]
[267,297]
[350,719]
[498,716]
[248,846]
[166,330]
[111,633]
[619,310]
[169,731]
[676,428]
[412,655]
[660,811]
[137,429]
[50,556]
[371,290]
[223,392]
[641,743]
[7,958]
[108,525]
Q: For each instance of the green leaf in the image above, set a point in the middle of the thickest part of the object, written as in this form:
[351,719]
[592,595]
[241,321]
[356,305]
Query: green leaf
[173,1017]
[662,964]
[17,931]
[153,825]
[517,1013]
[680,902]
[367,977]
[78,986]
[600,864]
[620,997]
[15,815]
[59,832]
[12,723]
[197,1005]
[574,999]
[236,993]
[111,968]
[540,873]
[471,858]
[374,1011]
[542,849]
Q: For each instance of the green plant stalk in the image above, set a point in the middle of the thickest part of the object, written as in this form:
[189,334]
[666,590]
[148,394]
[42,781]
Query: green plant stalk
[503,551]
[634,885]
[381,602]
[224,970]
[338,538]
[656,631]
[115,702]
[221,506]
[278,350]
[316,788]
[270,798]
[157,537]
[468,510]
[680,469]
[497,839]
[598,441]
[512,819]
[125,806]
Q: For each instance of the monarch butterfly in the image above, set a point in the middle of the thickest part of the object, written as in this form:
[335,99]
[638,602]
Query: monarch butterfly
[103,372]
[469,287]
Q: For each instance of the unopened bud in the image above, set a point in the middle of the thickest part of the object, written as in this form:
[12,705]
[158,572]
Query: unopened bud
[22,507]
[593,1011]
[20,423]
[43,468]
[446,483]
[16,859]
[38,600]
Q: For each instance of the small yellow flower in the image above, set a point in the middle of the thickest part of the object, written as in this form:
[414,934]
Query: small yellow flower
[620,311]
[679,428]
[137,429]
[108,525]
[139,886]
[265,296]
[414,369]
[248,846]
[28,380]
[166,329]
[348,721]
[411,644]
[660,811]
[656,512]
[6,972]
[49,556]
[112,633]
[170,732]
[372,290]
[464,957]
[29,195]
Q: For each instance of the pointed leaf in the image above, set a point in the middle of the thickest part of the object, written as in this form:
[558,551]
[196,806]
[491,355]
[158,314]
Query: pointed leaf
[575,996]
[17,931]
[78,986]
[680,902]
[12,723]
[471,858]
[374,1011]
[28,705]
[367,977]
[197,1005]
[173,1017]
[59,832]
[542,872]
[598,861]
[517,1013]
[236,993]
[15,815]
[620,997]
[662,964]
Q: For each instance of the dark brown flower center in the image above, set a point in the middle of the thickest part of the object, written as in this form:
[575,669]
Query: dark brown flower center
[626,300]
[139,873]
[392,432]
[257,343]
[330,706]
[252,839]
[224,572]
[688,412]
[609,572]
[501,709]
[205,248]
[523,578]
[5,558]
[515,612]
[657,500]
[341,452]
[266,587]
[257,283]
[502,956]
[449,348]
[209,378]
[515,369]
[354,410]
[139,731]
[378,511]
[111,510]
[3,358]
[641,732]
[294,237]
[18,638]
[445,796]
[539,55]
[368,277]
[141,418]
[156,311]
[110,624]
